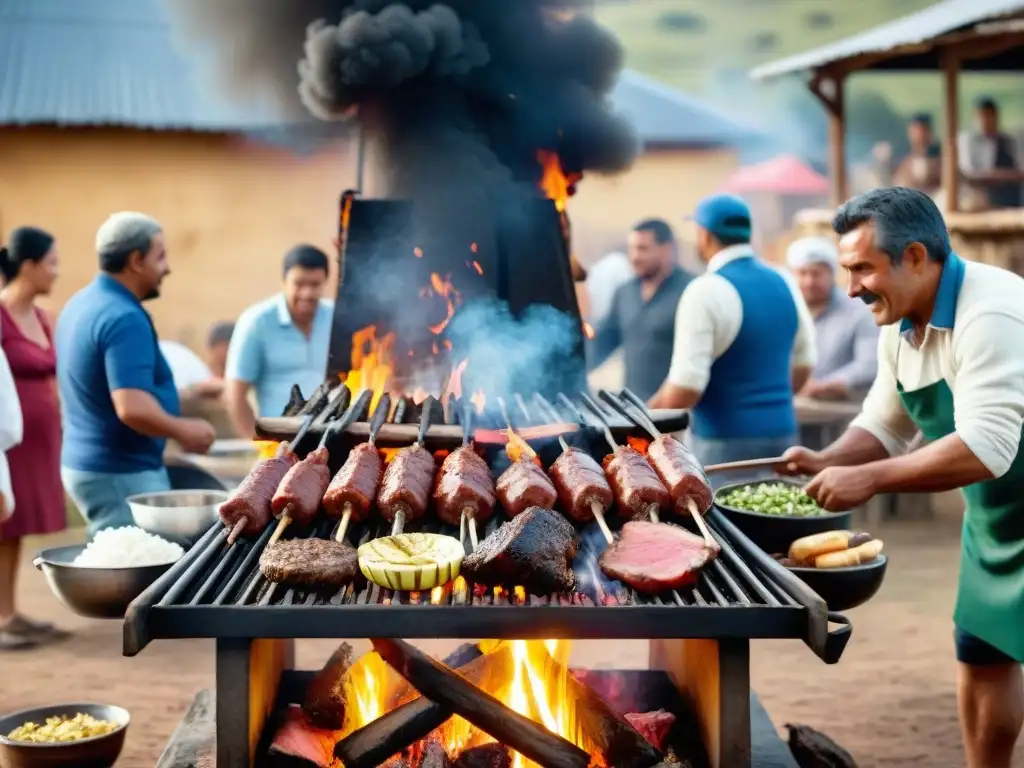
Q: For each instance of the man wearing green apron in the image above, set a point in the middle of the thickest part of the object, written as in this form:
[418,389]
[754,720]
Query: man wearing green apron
[950,365]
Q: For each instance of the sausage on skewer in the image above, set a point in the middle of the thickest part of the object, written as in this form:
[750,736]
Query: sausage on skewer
[408,480]
[582,487]
[524,485]
[297,498]
[464,494]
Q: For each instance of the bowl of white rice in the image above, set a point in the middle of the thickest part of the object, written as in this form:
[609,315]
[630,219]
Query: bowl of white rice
[100,579]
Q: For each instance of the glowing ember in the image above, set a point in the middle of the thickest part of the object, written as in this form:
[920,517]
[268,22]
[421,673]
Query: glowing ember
[478,268]
[443,288]
[372,364]
[474,248]
[388,454]
[638,444]
[517,448]
[417,252]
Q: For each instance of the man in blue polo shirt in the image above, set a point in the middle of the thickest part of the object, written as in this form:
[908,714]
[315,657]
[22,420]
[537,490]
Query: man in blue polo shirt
[744,341]
[281,341]
[119,401]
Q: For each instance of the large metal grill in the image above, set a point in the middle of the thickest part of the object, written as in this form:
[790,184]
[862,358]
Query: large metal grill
[218,591]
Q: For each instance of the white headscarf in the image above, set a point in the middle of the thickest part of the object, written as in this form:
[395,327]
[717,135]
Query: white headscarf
[812,250]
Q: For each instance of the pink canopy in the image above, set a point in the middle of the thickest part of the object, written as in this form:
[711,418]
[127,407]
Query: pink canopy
[785,175]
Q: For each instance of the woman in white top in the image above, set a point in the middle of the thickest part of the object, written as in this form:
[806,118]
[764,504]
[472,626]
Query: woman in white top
[10,436]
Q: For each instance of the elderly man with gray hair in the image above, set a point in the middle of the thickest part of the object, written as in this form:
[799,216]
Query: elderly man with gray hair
[118,395]
[846,334]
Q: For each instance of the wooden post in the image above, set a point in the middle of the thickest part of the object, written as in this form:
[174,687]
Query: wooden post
[828,87]
[950,145]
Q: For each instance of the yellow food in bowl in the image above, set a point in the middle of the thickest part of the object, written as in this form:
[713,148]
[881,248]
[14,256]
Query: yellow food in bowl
[62,729]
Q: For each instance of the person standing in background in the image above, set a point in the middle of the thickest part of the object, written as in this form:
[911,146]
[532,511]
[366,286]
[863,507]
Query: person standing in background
[193,376]
[922,167]
[29,265]
[846,334]
[603,280]
[118,394]
[988,158]
[641,318]
[281,341]
[217,342]
[744,342]
[11,433]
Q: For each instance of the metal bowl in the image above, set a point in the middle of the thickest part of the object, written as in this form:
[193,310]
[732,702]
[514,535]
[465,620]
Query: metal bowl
[179,516]
[96,593]
[96,752]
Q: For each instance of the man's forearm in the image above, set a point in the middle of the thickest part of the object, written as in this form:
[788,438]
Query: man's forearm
[944,465]
[854,447]
[144,414]
[800,375]
[671,396]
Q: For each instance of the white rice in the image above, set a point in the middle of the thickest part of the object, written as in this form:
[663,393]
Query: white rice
[127,547]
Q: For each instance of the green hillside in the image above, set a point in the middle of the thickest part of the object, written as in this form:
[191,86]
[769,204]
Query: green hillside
[705,46]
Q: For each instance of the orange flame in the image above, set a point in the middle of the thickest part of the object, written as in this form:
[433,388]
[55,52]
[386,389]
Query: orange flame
[474,247]
[372,364]
[478,268]
[517,448]
[638,444]
[443,288]
[265,449]
[556,184]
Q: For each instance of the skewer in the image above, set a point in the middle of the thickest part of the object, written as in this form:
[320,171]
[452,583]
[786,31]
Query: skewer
[402,512]
[698,518]
[653,513]
[468,520]
[380,415]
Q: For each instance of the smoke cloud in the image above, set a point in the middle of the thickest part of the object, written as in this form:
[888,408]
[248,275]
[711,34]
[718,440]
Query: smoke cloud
[456,96]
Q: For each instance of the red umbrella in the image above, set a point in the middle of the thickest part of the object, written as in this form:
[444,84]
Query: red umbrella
[785,175]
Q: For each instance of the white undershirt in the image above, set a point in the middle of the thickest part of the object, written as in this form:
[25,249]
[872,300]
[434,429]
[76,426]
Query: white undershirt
[709,318]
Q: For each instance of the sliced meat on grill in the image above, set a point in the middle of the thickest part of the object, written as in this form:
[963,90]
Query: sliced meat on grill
[534,550]
[486,756]
[356,483]
[327,693]
[465,481]
[310,563]
[252,500]
[656,557]
[434,756]
[653,726]
[681,473]
[635,483]
[524,485]
[407,483]
[303,487]
[299,742]
[580,482]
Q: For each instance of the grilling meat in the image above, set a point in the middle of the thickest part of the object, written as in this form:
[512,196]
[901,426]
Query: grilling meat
[327,693]
[636,484]
[407,483]
[653,726]
[302,488]
[681,473]
[524,485]
[580,483]
[534,549]
[464,482]
[486,756]
[299,742]
[356,483]
[656,557]
[252,500]
[310,563]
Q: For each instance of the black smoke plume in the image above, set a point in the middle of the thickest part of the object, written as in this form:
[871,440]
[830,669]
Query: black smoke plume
[456,97]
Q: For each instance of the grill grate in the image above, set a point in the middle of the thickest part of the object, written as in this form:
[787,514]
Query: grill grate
[218,591]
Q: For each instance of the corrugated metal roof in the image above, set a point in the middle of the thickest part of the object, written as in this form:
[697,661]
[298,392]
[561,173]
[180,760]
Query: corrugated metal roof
[115,62]
[939,19]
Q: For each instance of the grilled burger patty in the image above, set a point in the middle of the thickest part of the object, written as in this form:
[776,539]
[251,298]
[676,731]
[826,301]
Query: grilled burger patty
[310,563]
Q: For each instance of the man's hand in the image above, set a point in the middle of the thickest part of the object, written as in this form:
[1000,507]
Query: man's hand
[824,390]
[195,435]
[210,388]
[800,461]
[838,489]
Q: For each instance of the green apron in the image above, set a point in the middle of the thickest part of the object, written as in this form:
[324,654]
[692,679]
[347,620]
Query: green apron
[990,592]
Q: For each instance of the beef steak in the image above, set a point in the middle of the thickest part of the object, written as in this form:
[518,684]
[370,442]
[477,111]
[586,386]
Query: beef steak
[534,550]
[310,563]
[653,726]
[656,557]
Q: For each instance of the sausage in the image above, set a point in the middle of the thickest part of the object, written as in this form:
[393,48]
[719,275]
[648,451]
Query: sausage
[580,483]
[252,499]
[465,481]
[356,483]
[407,483]
[302,488]
[524,485]
[681,473]
[635,483]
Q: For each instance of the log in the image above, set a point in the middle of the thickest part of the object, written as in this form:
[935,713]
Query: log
[445,686]
[326,695]
[402,727]
[402,692]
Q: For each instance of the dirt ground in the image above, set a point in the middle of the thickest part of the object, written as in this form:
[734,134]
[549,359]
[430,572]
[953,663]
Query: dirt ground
[890,701]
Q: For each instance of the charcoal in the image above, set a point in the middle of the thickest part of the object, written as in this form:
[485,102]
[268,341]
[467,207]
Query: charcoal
[487,756]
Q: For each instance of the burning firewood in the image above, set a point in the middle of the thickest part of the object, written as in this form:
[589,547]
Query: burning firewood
[327,693]
[486,756]
[434,756]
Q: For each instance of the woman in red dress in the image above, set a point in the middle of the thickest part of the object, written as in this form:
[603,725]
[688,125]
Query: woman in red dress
[29,268]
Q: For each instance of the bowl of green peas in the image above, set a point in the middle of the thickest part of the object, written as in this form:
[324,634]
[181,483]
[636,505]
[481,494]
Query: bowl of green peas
[775,513]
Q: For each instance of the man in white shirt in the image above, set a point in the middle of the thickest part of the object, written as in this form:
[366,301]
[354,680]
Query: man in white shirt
[950,365]
[988,158]
[744,340]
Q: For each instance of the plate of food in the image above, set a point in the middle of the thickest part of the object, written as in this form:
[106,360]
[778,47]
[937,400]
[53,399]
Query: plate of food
[775,513]
[73,735]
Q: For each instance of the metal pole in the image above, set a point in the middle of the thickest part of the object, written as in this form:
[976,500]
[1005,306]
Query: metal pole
[360,158]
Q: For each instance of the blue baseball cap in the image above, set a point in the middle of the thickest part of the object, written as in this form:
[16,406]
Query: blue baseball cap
[723,216]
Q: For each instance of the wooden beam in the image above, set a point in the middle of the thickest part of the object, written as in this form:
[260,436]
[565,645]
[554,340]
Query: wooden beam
[951,130]
[828,87]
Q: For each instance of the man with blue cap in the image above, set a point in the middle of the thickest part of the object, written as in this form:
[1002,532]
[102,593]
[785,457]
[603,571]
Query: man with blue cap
[744,341]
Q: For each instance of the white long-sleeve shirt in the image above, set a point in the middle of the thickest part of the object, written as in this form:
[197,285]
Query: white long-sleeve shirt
[10,428]
[975,343]
[709,318]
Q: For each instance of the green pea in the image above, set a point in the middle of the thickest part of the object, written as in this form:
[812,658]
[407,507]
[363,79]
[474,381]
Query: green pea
[777,499]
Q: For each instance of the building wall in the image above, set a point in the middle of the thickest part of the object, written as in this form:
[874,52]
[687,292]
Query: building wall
[231,207]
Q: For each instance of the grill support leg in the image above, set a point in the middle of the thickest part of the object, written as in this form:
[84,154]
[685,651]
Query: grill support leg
[248,676]
[714,675]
